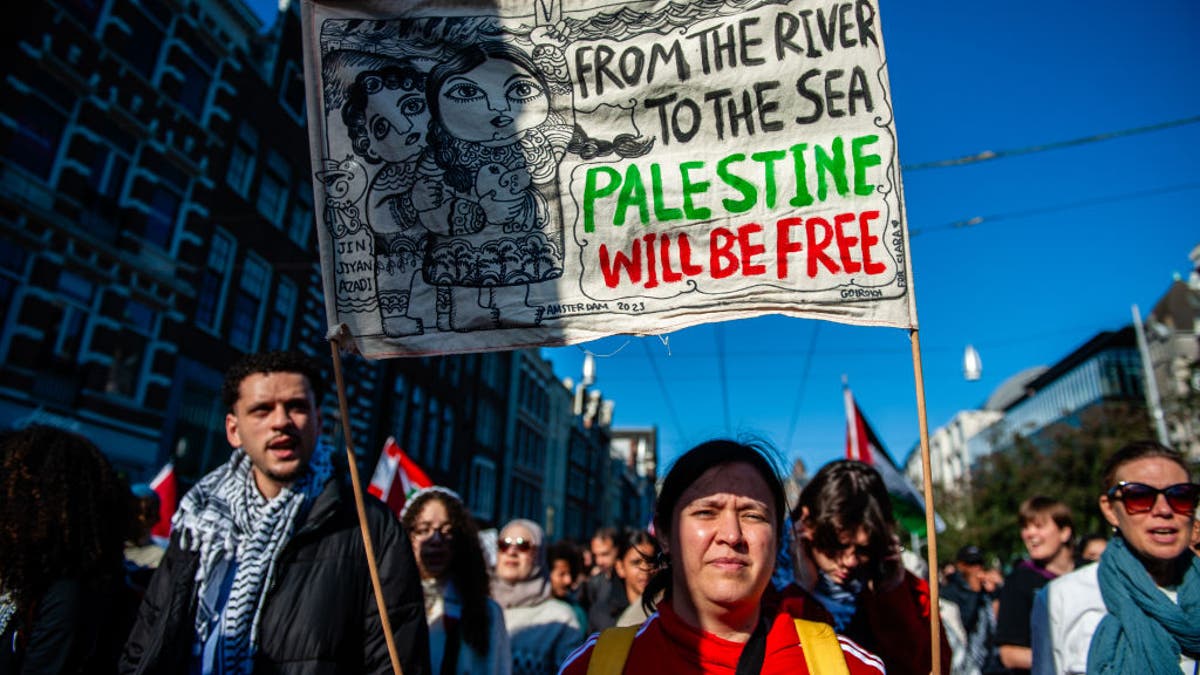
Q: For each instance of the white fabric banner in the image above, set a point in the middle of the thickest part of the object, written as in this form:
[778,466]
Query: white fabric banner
[496,175]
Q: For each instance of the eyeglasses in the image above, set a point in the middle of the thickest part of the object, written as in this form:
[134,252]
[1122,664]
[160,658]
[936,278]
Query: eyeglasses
[521,544]
[425,531]
[1140,498]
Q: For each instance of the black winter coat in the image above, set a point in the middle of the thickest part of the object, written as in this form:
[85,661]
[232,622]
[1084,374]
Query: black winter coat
[319,615]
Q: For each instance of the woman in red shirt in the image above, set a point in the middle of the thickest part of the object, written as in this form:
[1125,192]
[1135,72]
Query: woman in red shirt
[719,516]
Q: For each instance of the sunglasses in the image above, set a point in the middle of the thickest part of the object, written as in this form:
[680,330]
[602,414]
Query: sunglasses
[1140,498]
[521,544]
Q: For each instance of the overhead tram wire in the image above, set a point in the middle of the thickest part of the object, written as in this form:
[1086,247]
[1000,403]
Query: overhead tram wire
[1042,210]
[808,359]
[988,155]
[666,393]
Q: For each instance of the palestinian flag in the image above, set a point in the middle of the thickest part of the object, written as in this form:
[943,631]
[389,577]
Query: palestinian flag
[863,445]
[396,477]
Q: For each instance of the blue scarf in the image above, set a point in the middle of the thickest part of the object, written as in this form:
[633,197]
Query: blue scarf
[1143,632]
[840,599]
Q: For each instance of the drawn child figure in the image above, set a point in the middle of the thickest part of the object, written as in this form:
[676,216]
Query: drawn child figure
[496,139]
[387,119]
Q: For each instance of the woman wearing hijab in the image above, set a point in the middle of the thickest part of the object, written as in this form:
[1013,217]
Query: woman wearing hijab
[1138,610]
[466,629]
[542,630]
[719,516]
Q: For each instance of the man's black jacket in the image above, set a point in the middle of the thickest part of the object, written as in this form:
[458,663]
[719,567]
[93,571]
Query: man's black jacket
[319,615]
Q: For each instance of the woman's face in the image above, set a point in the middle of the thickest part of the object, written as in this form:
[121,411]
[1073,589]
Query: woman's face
[561,579]
[636,568]
[723,540]
[516,554]
[841,563]
[432,538]
[1044,539]
[397,120]
[1159,533]
[492,102]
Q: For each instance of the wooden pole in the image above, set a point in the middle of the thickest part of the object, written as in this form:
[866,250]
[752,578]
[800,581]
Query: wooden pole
[935,618]
[362,511]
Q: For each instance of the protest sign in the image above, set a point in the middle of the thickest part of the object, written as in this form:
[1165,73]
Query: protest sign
[495,175]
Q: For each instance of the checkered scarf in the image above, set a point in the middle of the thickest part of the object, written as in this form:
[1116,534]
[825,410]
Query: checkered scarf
[225,517]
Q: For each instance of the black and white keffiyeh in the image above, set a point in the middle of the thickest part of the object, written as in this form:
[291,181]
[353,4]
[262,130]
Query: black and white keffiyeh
[225,518]
[8,608]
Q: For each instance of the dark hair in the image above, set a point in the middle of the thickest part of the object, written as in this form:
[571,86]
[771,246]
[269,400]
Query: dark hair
[63,513]
[1135,451]
[634,539]
[1087,539]
[610,533]
[403,75]
[468,570]
[463,61]
[567,551]
[1037,507]
[846,496]
[271,362]
[687,470]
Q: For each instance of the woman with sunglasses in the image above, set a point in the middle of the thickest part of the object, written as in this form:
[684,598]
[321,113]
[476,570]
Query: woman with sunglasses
[542,630]
[637,559]
[466,629]
[719,516]
[1138,610]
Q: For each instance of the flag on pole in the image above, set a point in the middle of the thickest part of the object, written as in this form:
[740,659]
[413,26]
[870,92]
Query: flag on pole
[167,489]
[396,476]
[863,445]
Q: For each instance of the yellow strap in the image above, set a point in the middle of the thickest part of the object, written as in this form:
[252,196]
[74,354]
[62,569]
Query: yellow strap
[611,650]
[822,651]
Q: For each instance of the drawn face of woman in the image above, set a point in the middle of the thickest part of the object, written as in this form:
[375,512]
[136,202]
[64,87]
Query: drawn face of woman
[397,120]
[492,102]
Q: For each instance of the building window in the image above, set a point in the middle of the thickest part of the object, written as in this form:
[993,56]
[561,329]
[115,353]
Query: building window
[160,220]
[33,139]
[280,325]
[399,407]
[78,294]
[430,452]
[482,490]
[447,437]
[301,221]
[291,91]
[141,43]
[241,160]
[192,91]
[416,428]
[248,302]
[273,188]
[214,281]
[140,317]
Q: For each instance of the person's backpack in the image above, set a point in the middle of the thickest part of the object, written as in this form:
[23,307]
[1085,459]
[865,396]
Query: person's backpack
[822,651]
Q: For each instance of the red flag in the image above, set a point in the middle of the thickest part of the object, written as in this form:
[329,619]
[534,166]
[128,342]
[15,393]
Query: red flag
[165,486]
[863,445]
[396,476]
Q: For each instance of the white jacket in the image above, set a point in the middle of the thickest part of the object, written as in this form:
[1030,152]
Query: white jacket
[1075,608]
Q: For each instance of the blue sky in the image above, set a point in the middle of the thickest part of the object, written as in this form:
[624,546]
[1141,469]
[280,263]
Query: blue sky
[1025,288]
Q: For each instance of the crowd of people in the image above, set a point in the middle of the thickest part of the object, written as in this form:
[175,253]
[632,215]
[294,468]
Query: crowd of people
[266,569]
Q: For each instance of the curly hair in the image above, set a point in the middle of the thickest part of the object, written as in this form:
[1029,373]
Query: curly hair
[63,512]
[467,569]
[846,496]
[271,362]
[402,76]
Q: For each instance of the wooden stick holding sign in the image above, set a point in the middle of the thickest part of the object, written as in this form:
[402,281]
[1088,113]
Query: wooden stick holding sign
[360,505]
[935,617]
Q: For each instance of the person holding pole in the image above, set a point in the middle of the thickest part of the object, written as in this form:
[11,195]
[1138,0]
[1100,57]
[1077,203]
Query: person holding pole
[847,555]
[719,516]
[266,569]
